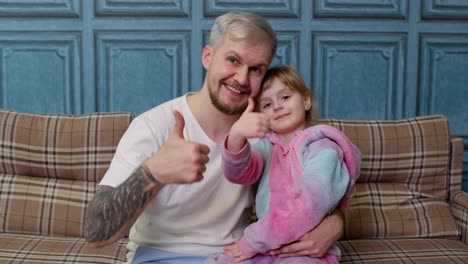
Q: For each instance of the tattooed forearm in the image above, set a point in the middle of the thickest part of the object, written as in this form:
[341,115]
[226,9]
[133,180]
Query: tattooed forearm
[111,208]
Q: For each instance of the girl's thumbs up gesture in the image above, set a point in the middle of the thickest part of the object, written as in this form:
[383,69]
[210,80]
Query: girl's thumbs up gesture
[250,125]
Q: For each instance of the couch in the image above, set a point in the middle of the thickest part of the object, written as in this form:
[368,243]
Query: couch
[408,208]
[49,169]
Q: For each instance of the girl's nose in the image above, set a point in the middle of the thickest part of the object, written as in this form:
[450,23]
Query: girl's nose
[278,106]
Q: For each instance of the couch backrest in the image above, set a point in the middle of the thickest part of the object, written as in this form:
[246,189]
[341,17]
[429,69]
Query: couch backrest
[405,180]
[414,152]
[50,166]
[60,146]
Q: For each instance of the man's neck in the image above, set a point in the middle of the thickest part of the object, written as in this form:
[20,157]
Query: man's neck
[215,123]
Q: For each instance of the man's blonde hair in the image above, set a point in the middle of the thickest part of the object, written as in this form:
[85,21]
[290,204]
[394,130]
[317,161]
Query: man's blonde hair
[243,26]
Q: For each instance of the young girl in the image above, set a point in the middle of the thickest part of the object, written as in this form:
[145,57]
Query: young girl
[306,171]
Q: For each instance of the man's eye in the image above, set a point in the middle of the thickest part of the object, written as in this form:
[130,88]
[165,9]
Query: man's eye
[233,60]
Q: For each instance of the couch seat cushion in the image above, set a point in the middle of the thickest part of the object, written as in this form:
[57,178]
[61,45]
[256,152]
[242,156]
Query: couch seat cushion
[21,248]
[43,206]
[415,251]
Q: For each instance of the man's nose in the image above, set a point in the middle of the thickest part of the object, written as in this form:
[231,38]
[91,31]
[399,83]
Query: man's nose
[242,76]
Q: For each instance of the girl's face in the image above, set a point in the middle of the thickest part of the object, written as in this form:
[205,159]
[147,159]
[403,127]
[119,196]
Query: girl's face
[286,109]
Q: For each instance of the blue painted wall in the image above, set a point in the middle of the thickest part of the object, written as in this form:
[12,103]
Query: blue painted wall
[364,59]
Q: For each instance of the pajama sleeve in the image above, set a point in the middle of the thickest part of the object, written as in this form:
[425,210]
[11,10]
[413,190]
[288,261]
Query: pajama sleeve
[244,167]
[322,184]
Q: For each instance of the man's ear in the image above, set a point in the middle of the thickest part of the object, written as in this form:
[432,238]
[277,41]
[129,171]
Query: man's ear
[206,56]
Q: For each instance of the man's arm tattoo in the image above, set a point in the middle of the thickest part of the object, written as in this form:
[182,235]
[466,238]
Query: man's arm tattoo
[111,208]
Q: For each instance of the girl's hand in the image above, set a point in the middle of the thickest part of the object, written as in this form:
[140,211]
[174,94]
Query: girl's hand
[235,252]
[250,125]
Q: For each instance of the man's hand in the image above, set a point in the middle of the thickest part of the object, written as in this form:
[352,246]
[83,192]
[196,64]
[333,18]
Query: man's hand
[179,160]
[249,125]
[318,240]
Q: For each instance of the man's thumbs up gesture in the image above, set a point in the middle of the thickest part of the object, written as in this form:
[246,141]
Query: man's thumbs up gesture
[179,161]
[250,125]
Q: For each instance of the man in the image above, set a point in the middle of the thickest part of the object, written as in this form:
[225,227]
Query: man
[165,181]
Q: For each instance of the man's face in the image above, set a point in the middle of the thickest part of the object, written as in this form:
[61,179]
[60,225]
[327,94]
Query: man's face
[235,70]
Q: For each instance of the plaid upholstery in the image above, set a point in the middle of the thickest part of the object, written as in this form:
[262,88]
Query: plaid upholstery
[456,165]
[16,248]
[60,146]
[458,199]
[49,169]
[459,209]
[393,251]
[50,166]
[403,187]
[43,206]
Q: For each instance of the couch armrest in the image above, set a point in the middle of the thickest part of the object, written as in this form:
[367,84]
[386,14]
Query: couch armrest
[459,209]
[456,165]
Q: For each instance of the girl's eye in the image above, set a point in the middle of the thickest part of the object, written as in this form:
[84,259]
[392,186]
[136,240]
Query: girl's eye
[266,106]
[286,97]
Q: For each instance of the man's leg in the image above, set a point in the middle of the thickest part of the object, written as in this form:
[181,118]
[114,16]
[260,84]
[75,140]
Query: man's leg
[145,255]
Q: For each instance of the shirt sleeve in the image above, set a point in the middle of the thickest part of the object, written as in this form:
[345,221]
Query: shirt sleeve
[136,145]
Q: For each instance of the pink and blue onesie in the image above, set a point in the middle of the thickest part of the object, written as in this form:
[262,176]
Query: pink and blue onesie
[300,183]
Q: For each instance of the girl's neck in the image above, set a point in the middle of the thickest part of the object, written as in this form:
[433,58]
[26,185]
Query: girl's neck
[288,137]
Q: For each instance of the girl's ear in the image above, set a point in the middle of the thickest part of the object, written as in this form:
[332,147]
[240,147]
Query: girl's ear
[206,56]
[307,101]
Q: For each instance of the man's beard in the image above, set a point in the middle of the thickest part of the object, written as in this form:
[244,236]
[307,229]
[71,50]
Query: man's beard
[239,109]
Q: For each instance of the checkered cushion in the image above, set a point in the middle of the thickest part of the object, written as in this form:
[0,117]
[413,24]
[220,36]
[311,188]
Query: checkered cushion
[20,248]
[394,251]
[60,146]
[43,206]
[50,166]
[403,187]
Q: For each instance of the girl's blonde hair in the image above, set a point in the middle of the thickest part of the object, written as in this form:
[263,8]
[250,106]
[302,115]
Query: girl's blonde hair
[291,78]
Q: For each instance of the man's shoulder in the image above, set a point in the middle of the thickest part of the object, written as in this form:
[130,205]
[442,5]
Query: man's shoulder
[169,106]
[163,113]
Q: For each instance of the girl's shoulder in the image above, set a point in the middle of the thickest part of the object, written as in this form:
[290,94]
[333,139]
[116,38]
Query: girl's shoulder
[317,132]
